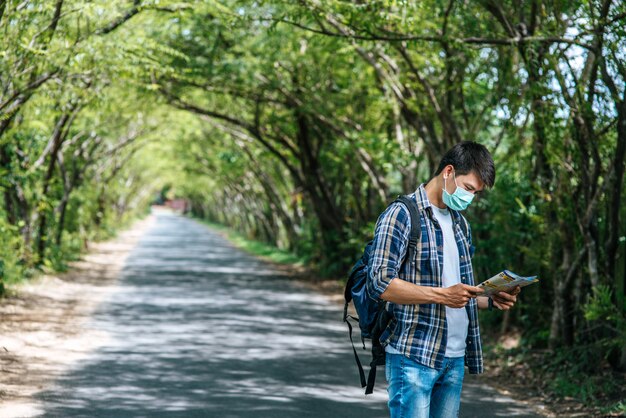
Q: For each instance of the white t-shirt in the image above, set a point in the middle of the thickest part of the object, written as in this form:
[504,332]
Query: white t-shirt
[456,318]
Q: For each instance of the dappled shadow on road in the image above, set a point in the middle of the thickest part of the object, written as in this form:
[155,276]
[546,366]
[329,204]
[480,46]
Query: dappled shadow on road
[197,328]
[41,324]
[480,401]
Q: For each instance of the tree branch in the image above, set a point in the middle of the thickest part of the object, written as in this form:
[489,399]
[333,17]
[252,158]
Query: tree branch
[244,136]
[32,86]
[183,105]
[134,10]
[395,37]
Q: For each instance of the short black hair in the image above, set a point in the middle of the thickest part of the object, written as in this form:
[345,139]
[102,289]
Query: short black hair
[467,157]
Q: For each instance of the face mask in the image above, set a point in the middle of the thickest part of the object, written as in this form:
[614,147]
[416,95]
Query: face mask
[459,200]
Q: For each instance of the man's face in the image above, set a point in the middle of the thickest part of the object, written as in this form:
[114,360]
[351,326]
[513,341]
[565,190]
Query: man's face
[470,182]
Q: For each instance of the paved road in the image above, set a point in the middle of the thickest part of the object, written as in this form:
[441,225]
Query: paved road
[199,329]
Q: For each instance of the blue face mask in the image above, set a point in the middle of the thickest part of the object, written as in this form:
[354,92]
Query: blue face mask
[459,200]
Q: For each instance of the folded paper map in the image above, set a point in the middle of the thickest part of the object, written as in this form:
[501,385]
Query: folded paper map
[505,281]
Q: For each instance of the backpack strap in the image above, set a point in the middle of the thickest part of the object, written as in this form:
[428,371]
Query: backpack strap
[416,225]
[356,356]
[378,351]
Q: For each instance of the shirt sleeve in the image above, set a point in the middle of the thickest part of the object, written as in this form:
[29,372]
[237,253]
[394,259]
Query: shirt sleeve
[389,248]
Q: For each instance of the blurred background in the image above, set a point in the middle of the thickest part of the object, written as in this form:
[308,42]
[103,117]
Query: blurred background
[294,124]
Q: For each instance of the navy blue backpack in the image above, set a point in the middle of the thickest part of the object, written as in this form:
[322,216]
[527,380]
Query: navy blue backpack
[373,317]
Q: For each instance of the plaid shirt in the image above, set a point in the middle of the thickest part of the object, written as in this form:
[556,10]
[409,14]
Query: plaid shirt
[420,331]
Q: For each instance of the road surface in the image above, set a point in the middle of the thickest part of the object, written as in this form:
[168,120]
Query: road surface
[197,328]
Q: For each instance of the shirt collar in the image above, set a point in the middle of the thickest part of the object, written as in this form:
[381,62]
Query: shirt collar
[424,204]
[422,199]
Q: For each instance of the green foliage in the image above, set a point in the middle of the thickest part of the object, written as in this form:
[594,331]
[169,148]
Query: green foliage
[296,123]
[11,269]
[601,307]
[603,313]
[576,373]
[581,373]
[616,410]
[73,114]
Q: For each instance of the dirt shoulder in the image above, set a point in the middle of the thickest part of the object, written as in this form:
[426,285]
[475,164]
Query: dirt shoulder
[42,322]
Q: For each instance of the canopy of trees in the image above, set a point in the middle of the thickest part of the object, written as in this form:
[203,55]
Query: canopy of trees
[297,122]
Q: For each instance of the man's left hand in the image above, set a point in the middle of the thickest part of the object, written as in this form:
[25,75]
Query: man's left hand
[505,300]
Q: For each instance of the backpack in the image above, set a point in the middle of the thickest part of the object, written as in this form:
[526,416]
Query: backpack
[373,316]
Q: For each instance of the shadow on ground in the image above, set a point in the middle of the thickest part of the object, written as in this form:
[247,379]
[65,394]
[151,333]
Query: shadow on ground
[196,328]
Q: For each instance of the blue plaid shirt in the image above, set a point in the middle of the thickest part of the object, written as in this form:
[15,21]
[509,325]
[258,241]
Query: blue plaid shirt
[420,331]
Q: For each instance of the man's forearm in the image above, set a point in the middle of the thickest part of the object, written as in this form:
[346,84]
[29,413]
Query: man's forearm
[405,293]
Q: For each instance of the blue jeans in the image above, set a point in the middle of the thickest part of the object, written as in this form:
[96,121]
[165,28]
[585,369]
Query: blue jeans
[417,391]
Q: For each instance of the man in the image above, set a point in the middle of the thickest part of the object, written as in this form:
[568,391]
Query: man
[433,299]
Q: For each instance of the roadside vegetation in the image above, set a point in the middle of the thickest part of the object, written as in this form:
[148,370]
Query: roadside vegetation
[295,123]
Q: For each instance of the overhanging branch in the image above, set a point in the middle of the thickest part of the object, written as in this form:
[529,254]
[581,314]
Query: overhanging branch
[396,37]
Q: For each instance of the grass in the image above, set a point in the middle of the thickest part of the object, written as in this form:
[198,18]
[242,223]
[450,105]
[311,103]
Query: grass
[266,251]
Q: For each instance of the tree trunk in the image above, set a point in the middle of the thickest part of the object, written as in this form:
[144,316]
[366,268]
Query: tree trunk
[275,200]
[558,313]
[616,191]
[560,332]
[330,220]
[61,223]
[57,139]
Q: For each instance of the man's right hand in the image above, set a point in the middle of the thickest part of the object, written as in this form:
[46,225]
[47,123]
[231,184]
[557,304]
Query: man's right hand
[458,296]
